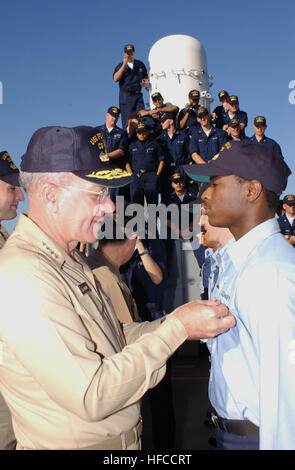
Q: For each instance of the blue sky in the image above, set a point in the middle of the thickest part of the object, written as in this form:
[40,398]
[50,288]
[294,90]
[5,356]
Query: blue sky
[57,60]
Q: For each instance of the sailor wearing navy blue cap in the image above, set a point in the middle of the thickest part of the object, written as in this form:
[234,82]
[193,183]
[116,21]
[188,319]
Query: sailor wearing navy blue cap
[160,107]
[259,137]
[10,192]
[251,384]
[114,144]
[187,117]
[132,75]
[206,141]
[287,221]
[234,130]
[180,195]
[235,112]
[175,146]
[219,114]
[146,158]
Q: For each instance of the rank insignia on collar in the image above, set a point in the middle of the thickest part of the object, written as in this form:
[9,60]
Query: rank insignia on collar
[84,288]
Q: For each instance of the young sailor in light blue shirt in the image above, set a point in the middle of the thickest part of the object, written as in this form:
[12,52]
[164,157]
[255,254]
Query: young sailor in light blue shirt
[252,381]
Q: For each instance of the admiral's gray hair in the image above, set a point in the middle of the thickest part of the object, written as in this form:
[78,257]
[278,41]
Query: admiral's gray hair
[31,181]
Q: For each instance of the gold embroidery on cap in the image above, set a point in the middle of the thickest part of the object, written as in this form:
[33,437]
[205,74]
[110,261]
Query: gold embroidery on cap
[109,174]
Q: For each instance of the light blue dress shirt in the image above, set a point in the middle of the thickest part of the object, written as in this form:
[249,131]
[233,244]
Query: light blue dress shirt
[253,364]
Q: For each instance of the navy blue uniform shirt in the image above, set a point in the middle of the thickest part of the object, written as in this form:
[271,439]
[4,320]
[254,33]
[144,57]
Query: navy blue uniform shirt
[221,116]
[116,139]
[285,226]
[240,115]
[192,118]
[189,196]
[148,296]
[209,146]
[131,78]
[269,143]
[145,155]
[175,148]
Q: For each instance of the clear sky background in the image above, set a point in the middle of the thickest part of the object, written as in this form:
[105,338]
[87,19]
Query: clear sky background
[57,59]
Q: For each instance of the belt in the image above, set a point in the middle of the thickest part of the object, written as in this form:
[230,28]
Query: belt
[233,426]
[121,442]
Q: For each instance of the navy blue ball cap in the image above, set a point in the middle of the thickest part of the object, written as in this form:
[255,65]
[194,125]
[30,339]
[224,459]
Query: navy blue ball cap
[156,95]
[142,126]
[8,170]
[194,94]
[259,121]
[114,111]
[233,122]
[222,94]
[129,48]
[289,199]
[202,111]
[232,99]
[177,177]
[79,150]
[247,160]
[166,116]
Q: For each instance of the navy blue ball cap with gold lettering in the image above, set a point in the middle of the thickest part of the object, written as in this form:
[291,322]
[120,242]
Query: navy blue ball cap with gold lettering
[156,95]
[233,122]
[249,161]
[177,177]
[142,126]
[222,94]
[259,121]
[202,111]
[114,111]
[289,199]
[194,94]
[8,170]
[129,48]
[166,116]
[232,99]
[79,150]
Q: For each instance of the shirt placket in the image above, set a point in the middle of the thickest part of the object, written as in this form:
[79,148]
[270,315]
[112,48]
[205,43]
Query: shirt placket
[78,278]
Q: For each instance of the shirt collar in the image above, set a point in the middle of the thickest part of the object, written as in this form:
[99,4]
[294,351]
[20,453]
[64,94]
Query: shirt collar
[27,230]
[240,249]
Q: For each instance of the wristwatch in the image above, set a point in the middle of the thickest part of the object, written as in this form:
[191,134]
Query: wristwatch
[145,252]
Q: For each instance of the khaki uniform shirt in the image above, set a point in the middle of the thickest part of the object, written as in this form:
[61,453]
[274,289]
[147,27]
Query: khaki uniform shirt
[71,376]
[110,280]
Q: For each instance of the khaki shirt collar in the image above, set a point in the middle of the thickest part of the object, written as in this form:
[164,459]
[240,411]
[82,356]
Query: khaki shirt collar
[29,231]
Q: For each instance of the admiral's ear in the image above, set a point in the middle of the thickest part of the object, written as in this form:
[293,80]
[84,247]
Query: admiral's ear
[50,195]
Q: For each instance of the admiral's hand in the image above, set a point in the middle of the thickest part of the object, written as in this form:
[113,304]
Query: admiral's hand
[205,318]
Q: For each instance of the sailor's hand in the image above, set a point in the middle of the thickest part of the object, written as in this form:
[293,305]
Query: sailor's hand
[205,318]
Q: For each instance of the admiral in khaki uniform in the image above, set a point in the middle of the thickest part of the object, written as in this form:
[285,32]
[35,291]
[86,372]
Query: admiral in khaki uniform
[10,195]
[71,375]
